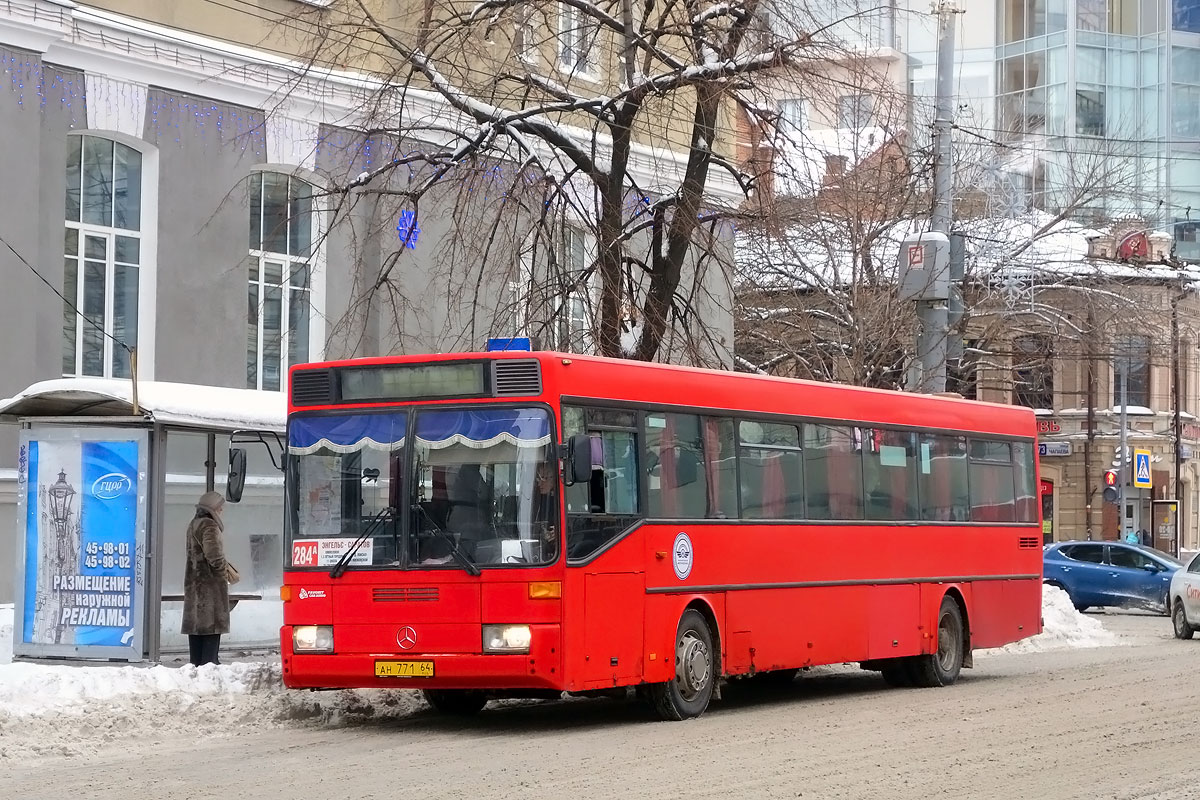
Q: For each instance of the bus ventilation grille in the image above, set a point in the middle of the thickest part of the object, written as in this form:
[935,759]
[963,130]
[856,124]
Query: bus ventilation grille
[312,387]
[405,594]
[510,378]
[1029,542]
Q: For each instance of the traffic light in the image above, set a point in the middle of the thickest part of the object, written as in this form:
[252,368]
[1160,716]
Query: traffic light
[1111,495]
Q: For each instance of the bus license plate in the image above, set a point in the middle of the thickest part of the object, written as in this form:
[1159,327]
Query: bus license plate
[403,669]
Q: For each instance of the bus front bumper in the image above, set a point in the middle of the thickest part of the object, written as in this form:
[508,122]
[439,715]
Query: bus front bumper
[540,668]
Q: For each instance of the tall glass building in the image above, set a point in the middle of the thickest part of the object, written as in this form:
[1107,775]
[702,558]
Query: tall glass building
[1097,100]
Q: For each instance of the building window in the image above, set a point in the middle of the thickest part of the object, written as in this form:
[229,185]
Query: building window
[1089,112]
[577,36]
[793,115]
[525,33]
[574,307]
[102,256]
[1185,15]
[280,302]
[855,110]
[1033,372]
[1132,353]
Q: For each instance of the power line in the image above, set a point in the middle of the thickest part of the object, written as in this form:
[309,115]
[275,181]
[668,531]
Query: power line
[63,297]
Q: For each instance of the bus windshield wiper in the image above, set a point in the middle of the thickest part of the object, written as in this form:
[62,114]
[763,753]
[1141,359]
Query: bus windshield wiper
[456,552]
[340,567]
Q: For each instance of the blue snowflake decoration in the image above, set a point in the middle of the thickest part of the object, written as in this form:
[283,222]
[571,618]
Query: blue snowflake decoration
[407,229]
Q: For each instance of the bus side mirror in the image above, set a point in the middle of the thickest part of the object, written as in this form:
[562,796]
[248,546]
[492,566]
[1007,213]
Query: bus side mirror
[579,460]
[236,481]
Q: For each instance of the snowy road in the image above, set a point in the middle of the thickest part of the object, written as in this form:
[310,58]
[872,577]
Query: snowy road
[1111,722]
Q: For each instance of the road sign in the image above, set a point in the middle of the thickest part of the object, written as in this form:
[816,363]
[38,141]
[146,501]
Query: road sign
[518,343]
[1141,470]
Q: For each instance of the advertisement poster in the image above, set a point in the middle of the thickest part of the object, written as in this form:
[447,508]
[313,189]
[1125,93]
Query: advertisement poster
[321,501]
[82,573]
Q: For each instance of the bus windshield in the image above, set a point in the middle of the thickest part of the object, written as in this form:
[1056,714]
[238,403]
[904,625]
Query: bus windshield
[432,487]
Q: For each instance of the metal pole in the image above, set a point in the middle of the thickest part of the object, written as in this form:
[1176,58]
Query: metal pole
[1177,390]
[1089,444]
[933,314]
[943,123]
[1124,462]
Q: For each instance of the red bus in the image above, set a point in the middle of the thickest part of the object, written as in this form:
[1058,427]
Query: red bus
[526,524]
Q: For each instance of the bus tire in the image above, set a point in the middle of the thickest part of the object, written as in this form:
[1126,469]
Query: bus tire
[687,696]
[1183,629]
[459,702]
[897,672]
[942,667]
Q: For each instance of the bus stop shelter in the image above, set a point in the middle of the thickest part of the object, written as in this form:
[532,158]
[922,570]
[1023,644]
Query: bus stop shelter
[107,482]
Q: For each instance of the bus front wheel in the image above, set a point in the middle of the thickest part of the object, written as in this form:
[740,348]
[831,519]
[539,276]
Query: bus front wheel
[942,667]
[695,672]
[460,702]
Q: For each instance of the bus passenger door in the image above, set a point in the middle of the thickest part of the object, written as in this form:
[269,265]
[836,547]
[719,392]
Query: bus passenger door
[613,627]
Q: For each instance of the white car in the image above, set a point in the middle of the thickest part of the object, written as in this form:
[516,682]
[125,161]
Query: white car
[1185,599]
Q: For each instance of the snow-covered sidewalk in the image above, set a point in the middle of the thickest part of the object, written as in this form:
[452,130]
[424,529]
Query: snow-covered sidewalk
[52,709]
[72,710]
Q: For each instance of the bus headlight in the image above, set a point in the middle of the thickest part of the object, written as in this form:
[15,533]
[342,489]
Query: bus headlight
[312,639]
[506,638]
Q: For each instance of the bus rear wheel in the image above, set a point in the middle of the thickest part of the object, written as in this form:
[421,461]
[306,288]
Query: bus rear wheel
[460,702]
[695,672]
[942,667]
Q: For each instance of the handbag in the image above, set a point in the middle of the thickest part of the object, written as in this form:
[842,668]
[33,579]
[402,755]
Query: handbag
[231,574]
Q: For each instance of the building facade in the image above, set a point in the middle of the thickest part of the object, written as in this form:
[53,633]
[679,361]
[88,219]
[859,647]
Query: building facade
[168,213]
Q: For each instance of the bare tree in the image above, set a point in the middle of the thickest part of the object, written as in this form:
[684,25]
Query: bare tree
[605,117]
[817,290]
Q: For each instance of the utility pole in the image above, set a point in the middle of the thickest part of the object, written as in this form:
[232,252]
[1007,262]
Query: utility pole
[1177,390]
[932,313]
[943,122]
[1123,360]
[1089,444]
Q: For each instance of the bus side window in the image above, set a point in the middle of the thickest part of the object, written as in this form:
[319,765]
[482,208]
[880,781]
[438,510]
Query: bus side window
[833,471]
[943,478]
[603,508]
[677,483]
[990,479]
[1027,494]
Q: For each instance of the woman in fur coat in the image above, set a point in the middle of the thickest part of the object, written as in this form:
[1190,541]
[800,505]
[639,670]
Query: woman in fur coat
[206,581]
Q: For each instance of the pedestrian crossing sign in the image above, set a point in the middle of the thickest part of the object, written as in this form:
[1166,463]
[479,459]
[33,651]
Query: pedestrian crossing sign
[1141,469]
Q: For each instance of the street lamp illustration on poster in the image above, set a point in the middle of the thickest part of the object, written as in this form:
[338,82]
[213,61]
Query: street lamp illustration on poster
[59,560]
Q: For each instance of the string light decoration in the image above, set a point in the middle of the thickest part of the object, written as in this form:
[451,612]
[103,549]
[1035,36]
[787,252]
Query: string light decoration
[171,118]
[408,230]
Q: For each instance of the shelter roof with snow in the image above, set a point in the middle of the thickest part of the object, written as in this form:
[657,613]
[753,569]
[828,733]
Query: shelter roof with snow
[176,404]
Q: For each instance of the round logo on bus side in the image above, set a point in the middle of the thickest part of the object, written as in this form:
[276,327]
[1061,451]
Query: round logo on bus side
[681,556]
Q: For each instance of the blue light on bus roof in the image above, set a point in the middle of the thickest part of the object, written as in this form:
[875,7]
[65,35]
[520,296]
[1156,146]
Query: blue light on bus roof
[518,343]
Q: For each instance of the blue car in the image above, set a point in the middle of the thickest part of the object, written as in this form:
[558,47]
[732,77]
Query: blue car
[1110,574]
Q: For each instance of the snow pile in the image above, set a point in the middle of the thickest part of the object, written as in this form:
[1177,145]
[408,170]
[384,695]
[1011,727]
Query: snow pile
[1063,628]
[72,710]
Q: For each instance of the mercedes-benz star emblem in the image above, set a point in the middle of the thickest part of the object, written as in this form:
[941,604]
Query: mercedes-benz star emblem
[406,637]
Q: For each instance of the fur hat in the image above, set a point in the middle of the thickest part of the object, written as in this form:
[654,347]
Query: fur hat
[212,502]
